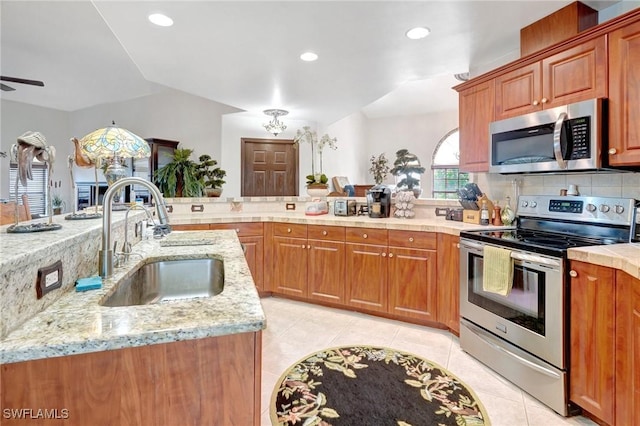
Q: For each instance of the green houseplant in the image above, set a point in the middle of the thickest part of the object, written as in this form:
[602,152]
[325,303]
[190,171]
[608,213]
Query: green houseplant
[379,168]
[57,203]
[407,168]
[179,178]
[210,175]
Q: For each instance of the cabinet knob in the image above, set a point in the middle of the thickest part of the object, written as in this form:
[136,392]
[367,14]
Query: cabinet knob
[384,254]
[573,273]
[365,236]
[324,232]
[535,103]
[544,100]
[613,151]
[289,230]
[390,254]
[238,230]
[458,245]
[308,247]
[410,239]
[303,246]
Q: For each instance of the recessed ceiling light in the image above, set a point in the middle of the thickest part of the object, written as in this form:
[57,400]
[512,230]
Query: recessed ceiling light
[161,20]
[309,56]
[418,32]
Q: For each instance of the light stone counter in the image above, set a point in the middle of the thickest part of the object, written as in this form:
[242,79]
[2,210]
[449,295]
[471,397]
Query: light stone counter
[77,323]
[625,257]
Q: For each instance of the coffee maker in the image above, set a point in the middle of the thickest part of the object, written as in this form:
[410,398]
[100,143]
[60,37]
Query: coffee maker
[379,201]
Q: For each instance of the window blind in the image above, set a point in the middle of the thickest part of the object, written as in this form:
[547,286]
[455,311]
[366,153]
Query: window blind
[36,189]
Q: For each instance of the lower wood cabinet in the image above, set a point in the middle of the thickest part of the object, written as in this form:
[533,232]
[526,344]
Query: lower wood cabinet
[448,285]
[289,259]
[210,381]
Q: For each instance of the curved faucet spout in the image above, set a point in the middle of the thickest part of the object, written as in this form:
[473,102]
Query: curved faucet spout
[105,256]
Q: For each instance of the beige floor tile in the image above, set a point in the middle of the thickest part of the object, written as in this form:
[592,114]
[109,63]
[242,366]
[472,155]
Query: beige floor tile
[503,412]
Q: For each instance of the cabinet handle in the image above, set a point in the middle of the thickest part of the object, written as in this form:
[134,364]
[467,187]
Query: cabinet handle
[410,239]
[573,273]
[390,254]
[365,236]
[535,103]
[237,230]
[324,232]
[544,100]
[303,246]
[289,230]
[613,151]
[308,247]
[458,245]
[384,254]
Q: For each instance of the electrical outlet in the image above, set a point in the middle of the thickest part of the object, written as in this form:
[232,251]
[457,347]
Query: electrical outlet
[290,206]
[49,278]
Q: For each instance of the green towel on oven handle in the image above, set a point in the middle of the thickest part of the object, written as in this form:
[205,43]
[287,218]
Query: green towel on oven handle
[497,275]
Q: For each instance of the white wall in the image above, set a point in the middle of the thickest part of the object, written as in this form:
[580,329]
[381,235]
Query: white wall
[16,119]
[347,159]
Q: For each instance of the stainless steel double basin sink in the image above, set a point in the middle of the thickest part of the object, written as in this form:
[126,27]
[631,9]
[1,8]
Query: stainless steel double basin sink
[164,280]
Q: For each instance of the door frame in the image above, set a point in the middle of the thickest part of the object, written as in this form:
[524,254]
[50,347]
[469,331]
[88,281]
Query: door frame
[243,143]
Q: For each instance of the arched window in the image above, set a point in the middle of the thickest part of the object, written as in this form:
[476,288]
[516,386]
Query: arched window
[444,165]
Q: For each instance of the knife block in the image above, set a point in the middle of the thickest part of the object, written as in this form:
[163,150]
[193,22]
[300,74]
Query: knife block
[473,216]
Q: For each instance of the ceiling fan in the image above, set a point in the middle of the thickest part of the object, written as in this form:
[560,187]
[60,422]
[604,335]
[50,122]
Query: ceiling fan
[6,88]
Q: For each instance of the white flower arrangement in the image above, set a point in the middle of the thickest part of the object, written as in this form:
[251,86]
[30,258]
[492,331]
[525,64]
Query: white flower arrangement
[311,137]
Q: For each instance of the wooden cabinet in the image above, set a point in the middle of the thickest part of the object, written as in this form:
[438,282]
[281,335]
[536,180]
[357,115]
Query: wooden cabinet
[448,286]
[627,349]
[366,276]
[592,349]
[412,274]
[251,236]
[290,259]
[326,263]
[573,75]
[207,381]
[624,96]
[476,112]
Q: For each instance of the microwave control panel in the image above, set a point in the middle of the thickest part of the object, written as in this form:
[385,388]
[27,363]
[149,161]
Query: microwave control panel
[580,130]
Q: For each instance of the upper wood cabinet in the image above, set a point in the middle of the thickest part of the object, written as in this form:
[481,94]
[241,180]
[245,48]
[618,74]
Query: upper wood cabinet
[573,75]
[624,96]
[476,106]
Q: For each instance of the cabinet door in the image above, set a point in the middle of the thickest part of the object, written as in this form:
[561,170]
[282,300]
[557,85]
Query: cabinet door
[575,75]
[412,283]
[290,266]
[624,96]
[367,276]
[519,92]
[592,339]
[448,286]
[475,114]
[627,349]
[326,264]
[254,252]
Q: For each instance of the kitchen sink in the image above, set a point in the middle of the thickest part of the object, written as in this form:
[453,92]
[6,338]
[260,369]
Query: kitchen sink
[164,280]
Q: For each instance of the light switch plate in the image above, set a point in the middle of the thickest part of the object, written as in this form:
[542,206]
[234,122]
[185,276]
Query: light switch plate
[49,278]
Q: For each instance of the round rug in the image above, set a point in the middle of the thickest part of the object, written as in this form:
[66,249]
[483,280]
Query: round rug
[364,385]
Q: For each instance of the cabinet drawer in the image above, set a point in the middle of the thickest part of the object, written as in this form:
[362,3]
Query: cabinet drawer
[243,229]
[323,232]
[413,239]
[294,230]
[366,236]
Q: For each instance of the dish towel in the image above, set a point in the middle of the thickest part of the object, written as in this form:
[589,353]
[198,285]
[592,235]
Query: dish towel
[497,275]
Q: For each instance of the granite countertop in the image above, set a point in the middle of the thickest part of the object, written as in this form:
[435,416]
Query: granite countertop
[625,257]
[77,323]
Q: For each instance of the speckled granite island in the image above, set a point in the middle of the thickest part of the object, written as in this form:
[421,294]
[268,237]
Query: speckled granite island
[191,361]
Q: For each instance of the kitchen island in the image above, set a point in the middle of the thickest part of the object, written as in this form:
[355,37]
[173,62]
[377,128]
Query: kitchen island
[179,362]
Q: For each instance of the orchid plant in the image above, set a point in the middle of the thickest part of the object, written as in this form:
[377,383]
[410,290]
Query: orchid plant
[311,137]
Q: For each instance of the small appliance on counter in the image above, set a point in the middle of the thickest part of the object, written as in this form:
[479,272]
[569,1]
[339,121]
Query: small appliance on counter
[316,207]
[343,207]
[379,201]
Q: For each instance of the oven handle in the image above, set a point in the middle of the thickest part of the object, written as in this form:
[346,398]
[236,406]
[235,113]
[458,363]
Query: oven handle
[557,133]
[482,335]
[518,255]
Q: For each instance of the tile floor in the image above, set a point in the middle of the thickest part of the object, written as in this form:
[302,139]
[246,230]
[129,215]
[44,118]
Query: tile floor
[296,329]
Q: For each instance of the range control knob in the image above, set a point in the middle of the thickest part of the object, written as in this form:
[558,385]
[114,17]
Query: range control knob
[524,203]
[533,204]
[619,209]
[604,208]
[591,207]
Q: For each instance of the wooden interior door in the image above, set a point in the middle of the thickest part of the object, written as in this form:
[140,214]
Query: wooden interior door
[269,168]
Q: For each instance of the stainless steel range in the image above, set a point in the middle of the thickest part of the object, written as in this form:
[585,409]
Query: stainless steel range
[523,335]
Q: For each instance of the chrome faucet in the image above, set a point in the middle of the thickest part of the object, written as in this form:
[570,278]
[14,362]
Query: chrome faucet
[105,255]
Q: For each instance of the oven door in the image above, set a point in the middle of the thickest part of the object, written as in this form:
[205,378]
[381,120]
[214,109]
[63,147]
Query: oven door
[532,316]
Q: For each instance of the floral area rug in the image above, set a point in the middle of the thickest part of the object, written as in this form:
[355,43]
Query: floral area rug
[376,386]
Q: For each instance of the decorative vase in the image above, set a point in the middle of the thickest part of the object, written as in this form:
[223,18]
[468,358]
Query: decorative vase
[318,189]
[213,192]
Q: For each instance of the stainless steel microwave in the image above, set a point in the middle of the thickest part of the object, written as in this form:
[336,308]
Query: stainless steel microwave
[561,139]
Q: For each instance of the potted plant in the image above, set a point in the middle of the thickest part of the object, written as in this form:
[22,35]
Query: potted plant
[407,167]
[379,168]
[57,203]
[179,178]
[317,183]
[210,175]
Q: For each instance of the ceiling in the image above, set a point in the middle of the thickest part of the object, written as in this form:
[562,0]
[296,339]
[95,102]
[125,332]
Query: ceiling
[246,54]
